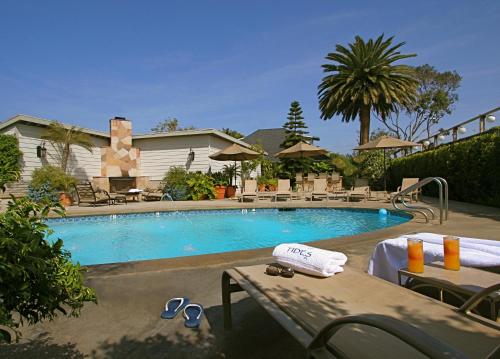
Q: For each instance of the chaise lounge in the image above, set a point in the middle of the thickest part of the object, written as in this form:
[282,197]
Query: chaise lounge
[249,190]
[283,190]
[354,315]
[85,193]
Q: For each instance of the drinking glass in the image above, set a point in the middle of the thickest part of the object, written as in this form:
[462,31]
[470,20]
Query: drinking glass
[451,252]
[415,255]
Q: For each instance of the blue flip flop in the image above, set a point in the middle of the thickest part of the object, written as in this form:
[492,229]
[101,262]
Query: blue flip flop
[192,313]
[174,306]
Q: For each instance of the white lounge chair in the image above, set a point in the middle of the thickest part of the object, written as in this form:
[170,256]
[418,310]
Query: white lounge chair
[249,190]
[283,190]
[319,189]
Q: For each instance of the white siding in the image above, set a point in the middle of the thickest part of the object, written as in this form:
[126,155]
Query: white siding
[159,154]
[82,164]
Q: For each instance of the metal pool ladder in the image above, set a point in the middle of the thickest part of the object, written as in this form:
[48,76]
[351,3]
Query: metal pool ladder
[425,210]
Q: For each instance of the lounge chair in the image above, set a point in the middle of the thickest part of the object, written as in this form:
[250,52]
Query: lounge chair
[310,181]
[283,190]
[319,189]
[154,193]
[407,182]
[354,315]
[361,190]
[299,181]
[85,193]
[249,190]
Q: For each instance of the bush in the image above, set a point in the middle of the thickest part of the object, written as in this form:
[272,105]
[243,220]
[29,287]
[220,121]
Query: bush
[37,278]
[10,154]
[176,183]
[471,167]
[58,180]
[201,186]
[43,193]
[371,166]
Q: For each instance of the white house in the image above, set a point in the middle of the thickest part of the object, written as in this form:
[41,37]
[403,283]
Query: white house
[120,158]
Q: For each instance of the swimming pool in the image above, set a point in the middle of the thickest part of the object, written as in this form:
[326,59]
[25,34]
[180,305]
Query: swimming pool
[134,237]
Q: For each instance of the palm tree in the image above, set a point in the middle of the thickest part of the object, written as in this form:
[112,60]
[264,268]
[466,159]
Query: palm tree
[364,79]
[63,137]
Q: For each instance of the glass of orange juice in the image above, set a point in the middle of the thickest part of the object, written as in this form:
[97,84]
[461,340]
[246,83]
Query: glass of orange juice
[415,255]
[451,252]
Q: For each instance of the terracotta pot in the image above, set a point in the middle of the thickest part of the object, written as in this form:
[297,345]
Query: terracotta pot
[221,191]
[65,199]
[262,188]
[272,187]
[230,191]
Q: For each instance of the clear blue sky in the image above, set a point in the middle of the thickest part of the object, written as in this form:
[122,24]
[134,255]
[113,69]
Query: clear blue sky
[216,64]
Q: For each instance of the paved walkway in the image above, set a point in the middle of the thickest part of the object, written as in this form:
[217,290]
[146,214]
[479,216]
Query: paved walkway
[126,322]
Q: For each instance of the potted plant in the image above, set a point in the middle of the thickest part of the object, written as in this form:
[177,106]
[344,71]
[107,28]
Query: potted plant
[201,186]
[49,182]
[220,182]
[272,184]
[262,183]
[231,172]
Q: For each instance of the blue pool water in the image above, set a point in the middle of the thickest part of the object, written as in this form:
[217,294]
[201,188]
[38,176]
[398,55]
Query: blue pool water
[122,238]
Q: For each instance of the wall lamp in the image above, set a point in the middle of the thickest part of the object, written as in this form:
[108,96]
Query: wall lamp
[191,155]
[41,151]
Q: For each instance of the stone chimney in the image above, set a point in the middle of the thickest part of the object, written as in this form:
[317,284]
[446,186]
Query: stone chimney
[120,159]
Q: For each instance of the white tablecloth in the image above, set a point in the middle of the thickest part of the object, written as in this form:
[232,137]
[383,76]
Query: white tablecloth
[391,255]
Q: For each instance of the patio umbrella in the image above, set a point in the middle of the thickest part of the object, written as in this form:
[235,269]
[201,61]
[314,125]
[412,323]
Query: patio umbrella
[235,153]
[383,143]
[301,150]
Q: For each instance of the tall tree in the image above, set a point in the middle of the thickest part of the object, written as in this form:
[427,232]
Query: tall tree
[363,78]
[170,125]
[436,95]
[232,133]
[62,138]
[295,127]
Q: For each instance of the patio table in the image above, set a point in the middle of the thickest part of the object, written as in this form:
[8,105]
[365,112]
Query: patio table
[462,284]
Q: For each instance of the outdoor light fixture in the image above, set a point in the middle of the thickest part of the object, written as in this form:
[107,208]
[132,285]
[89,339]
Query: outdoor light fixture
[490,118]
[426,143]
[191,155]
[441,137]
[41,151]
[462,130]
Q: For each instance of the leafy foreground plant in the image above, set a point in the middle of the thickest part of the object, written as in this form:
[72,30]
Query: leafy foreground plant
[37,278]
[201,186]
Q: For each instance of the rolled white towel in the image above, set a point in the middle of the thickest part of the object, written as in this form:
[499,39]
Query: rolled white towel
[309,260]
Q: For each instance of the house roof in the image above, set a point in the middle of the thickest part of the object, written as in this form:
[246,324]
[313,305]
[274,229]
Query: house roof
[270,139]
[44,123]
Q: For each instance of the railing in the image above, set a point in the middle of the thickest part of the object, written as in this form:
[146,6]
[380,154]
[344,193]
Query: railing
[424,210]
[433,141]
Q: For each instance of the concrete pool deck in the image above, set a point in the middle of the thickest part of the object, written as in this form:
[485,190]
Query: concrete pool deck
[126,322]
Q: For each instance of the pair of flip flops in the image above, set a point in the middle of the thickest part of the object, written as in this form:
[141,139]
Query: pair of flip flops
[276,269]
[192,312]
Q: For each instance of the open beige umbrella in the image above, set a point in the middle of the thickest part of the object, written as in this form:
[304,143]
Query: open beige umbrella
[383,143]
[235,153]
[301,150]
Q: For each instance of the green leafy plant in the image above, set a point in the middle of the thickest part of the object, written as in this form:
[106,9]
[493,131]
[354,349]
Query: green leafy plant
[371,166]
[470,166]
[363,78]
[176,183]
[201,186]
[220,178]
[37,278]
[231,171]
[59,181]
[62,138]
[10,170]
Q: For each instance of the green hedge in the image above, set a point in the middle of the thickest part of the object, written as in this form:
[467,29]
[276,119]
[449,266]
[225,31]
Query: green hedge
[471,167]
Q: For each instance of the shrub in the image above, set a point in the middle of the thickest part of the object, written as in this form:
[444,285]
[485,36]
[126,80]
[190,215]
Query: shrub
[176,183]
[471,167]
[10,154]
[220,178]
[201,186]
[58,180]
[38,279]
[43,193]
[371,166]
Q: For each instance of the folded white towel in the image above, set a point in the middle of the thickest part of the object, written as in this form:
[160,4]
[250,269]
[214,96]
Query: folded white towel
[309,260]
[391,255]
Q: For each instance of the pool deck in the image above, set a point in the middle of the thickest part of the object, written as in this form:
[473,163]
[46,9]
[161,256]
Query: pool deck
[126,322]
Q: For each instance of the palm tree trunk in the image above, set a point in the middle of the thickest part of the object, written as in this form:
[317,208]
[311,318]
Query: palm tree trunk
[364,118]
[65,157]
